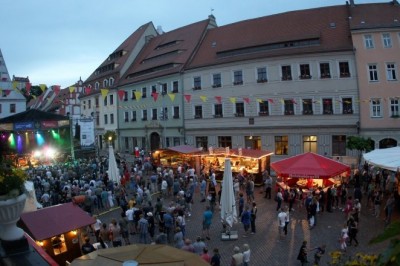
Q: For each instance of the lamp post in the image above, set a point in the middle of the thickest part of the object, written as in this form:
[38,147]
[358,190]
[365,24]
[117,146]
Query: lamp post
[109,140]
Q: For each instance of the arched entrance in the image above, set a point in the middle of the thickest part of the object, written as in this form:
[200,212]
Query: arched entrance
[387,143]
[154,141]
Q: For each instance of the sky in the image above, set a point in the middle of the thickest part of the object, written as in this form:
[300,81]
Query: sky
[57,42]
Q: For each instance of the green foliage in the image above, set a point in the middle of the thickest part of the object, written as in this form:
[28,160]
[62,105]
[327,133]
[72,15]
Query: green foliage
[12,179]
[359,143]
[109,134]
[391,256]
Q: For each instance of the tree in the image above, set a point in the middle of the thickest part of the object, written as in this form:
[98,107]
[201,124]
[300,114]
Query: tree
[360,144]
[391,256]
[109,134]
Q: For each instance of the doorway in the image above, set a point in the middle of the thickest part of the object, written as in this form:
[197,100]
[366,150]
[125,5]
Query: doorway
[154,141]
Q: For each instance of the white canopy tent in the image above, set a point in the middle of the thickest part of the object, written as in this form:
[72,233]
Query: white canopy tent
[113,171]
[384,158]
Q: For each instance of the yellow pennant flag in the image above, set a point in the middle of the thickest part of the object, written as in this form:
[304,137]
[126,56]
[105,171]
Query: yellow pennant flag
[42,86]
[138,95]
[203,98]
[14,84]
[104,93]
[282,100]
[72,89]
[259,100]
[232,99]
[172,96]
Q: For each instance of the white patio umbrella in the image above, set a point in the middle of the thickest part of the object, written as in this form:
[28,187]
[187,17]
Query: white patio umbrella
[113,171]
[228,203]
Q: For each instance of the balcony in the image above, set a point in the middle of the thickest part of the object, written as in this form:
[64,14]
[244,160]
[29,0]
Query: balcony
[325,76]
[308,112]
[305,76]
[198,116]
[240,82]
[218,116]
[196,88]
[264,113]
[262,80]
[347,111]
[286,77]
[239,114]
[345,75]
[217,85]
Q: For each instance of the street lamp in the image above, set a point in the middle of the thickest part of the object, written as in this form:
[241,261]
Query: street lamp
[109,140]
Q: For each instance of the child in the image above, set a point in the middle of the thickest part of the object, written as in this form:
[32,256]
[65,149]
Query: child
[318,254]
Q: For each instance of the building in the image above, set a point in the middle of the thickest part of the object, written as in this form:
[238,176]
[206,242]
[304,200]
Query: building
[12,101]
[375,32]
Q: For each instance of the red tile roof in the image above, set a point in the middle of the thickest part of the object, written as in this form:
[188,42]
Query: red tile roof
[51,221]
[379,15]
[170,50]
[256,38]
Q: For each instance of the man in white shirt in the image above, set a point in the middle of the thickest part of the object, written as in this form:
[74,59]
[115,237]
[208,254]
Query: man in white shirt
[282,216]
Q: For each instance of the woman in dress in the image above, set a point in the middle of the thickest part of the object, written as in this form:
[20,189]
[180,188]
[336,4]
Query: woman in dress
[110,199]
[344,235]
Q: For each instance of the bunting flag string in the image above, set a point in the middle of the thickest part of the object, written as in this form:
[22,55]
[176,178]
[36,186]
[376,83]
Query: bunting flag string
[138,95]
[87,90]
[203,98]
[172,96]
[121,94]
[42,87]
[246,100]
[259,100]
[187,97]
[155,96]
[271,101]
[72,89]
[104,93]
[56,89]
[14,84]
[218,99]
[28,86]
[232,99]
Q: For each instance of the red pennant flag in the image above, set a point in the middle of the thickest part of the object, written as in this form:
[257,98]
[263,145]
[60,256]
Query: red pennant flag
[28,86]
[271,100]
[87,90]
[247,100]
[218,99]
[7,92]
[155,96]
[56,89]
[293,101]
[121,94]
[188,97]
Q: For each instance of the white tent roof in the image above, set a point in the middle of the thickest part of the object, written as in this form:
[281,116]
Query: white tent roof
[113,171]
[384,158]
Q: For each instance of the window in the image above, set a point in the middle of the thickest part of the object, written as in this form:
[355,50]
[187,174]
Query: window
[225,141]
[105,101]
[310,144]
[125,96]
[105,119]
[217,80]
[3,93]
[327,106]
[175,86]
[58,244]
[126,142]
[387,40]
[111,119]
[84,105]
[154,112]
[198,112]
[202,142]
[376,108]
[164,88]
[286,72]
[391,71]
[281,145]
[133,116]
[347,105]
[105,83]
[325,71]
[307,107]
[238,77]
[394,107]
[197,83]
[373,72]
[305,71]
[338,145]
[97,119]
[144,115]
[263,108]
[368,41]
[89,104]
[239,109]
[13,108]
[126,116]
[97,85]
[344,69]
[144,92]
[0,108]
[153,89]
[133,96]
[288,107]
[262,75]
[164,113]
[111,81]
[176,112]
[97,102]
[177,141]
[111,99]
[218,110]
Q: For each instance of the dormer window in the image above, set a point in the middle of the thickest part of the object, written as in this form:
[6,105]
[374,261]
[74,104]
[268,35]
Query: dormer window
[111,81]
[105,83]
[97,85]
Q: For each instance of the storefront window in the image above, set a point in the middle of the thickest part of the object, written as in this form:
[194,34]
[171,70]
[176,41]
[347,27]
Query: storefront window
[339,145]
[58,244]
[281,145]
[202,142]
[310,144]
[225,141]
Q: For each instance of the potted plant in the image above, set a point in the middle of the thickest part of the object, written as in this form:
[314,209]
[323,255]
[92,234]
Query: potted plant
[12,200]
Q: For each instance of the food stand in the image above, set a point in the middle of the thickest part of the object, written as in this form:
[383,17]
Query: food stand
[173,156]
[245,161]
[309,171]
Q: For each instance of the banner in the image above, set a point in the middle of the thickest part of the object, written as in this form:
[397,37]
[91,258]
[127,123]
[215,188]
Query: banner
[49,124]
[87,133]
[23,126]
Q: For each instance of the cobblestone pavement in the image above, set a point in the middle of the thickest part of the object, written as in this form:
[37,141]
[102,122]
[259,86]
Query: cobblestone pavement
[266,247]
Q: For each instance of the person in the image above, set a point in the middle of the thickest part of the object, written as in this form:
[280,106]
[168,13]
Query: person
[253,217]
[287,220]
[343,237]
[241,204]
[246,220]
[389,207]
[124,224]
[268,185]
[377,203]
[205,256]
[353,230]
[199,245]
[302,256]
[161,238]
[278,199]
[115,233]
[188,246]
[150,220]
[96,227]
[246,255]
[207,218]
[281,222]
[318,254]
[87,247]
[237,258]
[143,229]
[178,238]
[216,258]
[104,235]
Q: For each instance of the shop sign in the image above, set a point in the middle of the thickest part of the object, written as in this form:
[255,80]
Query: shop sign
[23,126]
[49,124]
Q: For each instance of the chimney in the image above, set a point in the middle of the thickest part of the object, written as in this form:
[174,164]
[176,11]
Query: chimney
[352,3]
[160,30]
[212,22]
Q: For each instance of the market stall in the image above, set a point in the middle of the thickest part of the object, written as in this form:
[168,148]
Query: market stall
[244,161]
[173,156]
[384,158]
[309,170]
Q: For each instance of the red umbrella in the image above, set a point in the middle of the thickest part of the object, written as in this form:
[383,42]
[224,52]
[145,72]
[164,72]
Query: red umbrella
[309,165]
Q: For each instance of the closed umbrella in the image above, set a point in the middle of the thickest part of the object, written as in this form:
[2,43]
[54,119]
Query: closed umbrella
[113,171]
[228,203]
